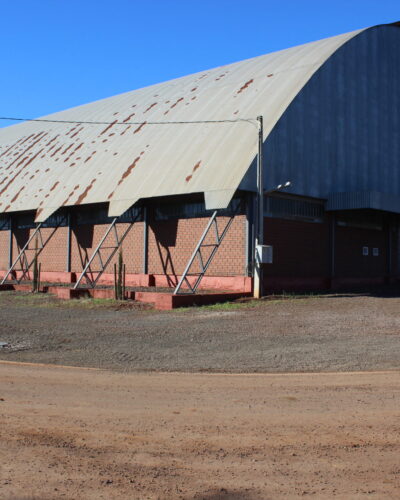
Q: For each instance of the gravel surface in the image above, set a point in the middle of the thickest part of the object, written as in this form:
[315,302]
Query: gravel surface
[328,333]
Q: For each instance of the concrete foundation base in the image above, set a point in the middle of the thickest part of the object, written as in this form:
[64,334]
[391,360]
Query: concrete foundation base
[230,283]
[161,301]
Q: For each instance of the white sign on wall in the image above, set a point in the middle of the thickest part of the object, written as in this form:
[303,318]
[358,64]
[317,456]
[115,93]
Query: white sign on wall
[264,254]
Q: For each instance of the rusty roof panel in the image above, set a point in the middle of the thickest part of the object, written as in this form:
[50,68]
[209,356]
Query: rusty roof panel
[44,166]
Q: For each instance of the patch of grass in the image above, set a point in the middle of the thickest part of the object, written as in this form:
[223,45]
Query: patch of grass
[44,300]
[250,303]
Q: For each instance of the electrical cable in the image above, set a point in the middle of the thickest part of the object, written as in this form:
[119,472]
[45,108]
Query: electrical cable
[75,122]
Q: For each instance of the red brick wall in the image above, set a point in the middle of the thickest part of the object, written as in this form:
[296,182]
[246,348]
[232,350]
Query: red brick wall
[170,246]
[86,237]
[172,242]
[4,239]
[53,256]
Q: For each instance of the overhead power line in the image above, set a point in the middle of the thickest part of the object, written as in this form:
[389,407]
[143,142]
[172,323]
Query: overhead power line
[76,122]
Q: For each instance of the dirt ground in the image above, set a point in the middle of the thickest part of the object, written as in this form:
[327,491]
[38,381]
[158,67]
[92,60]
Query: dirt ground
[70,433]
[141,421]
[328,333]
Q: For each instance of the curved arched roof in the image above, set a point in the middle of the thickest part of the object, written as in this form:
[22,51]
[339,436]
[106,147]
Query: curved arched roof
[44,166]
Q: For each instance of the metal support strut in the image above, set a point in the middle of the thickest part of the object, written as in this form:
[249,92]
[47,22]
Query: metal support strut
[92,276]
[204,264]
[23,257]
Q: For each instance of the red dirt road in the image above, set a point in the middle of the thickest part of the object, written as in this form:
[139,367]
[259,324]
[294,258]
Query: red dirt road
[87,434]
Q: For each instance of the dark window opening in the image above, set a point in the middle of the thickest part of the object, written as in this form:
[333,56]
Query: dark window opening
[294,208]
[5,222]
[189,210]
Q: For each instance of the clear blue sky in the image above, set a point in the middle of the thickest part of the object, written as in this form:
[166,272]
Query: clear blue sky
[56,54]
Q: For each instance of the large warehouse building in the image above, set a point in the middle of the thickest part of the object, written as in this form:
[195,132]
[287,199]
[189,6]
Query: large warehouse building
[147,171]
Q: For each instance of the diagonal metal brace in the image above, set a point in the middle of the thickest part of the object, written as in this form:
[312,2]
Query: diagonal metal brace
[23,258]
[203,263]
[92,276]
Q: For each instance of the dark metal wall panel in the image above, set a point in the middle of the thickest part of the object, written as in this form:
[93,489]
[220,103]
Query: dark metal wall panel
[364,199]
[341,133]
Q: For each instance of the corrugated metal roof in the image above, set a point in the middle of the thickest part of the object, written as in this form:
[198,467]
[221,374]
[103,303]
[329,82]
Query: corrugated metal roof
[44,166]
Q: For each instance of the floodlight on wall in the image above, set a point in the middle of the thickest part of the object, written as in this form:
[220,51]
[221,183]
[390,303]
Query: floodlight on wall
[279,187]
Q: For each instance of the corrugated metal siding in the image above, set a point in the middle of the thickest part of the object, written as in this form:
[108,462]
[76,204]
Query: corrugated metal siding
[46,166]
[364,199]
[341,134]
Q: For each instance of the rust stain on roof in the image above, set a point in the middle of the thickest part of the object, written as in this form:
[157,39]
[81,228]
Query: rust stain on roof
[67,148]
[54,186]
[73,152]
[177,102]
[77,132]
[125,174]
[77,147]
[126,130]
[55,152]
[70,130]
[25,151]
[108,128]
[193,89]
[196,166]
[269,76]
[70,194]
[187,179]
[20,171]
[11,147]
[27,139]
[244,87]
[52,147]
[38,134]
[4,180]
[128,117]
[17,195]
[139,128]
[128,170]
[88,158]
[52,140]
[151,106]
[85,192]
